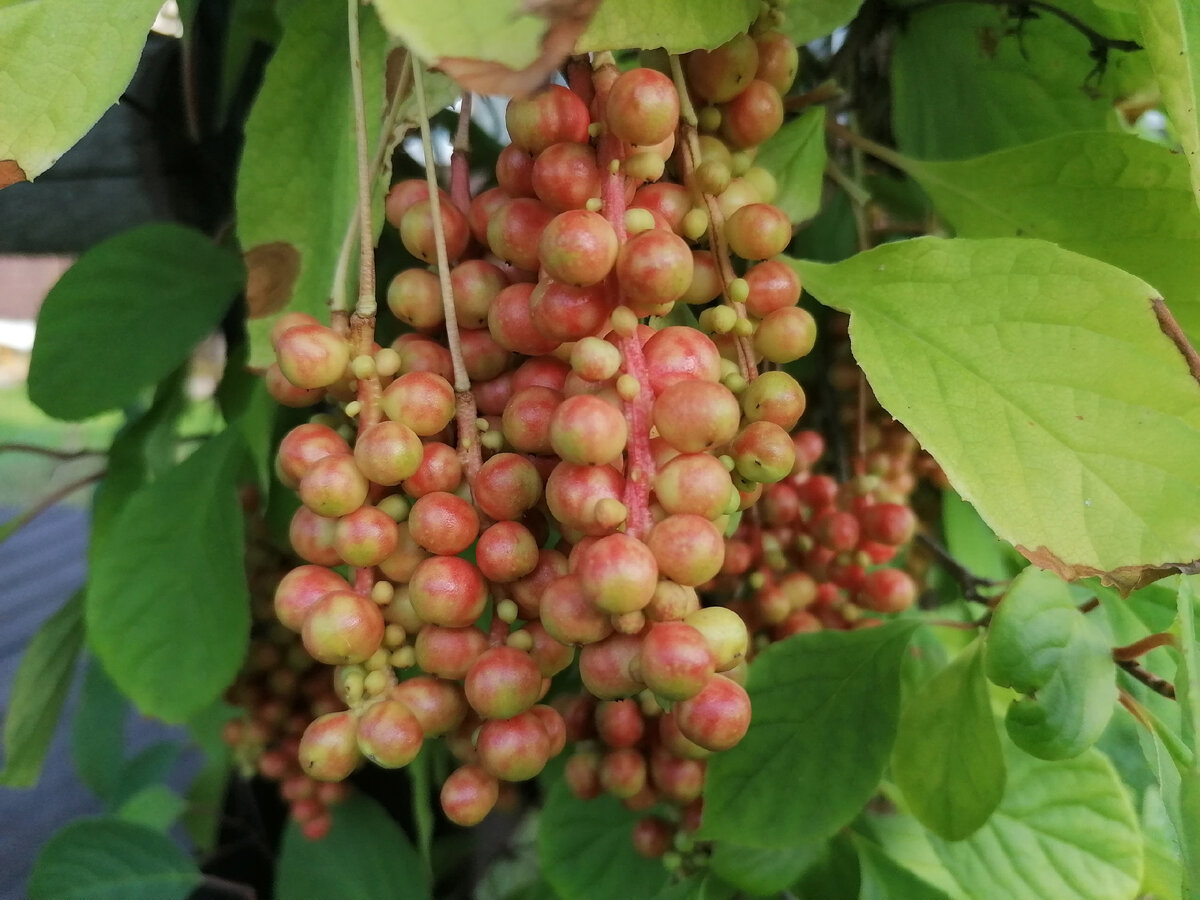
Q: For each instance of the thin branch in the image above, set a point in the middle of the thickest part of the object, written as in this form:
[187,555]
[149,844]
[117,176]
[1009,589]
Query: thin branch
[1145,645]
[968,581]
[365,308]
[822,93]
[23,518]
[49,451]
[226,886]
[1101,44]
[1148,678]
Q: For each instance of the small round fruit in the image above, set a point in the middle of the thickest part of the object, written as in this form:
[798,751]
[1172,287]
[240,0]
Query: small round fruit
[469,794]
[717,717]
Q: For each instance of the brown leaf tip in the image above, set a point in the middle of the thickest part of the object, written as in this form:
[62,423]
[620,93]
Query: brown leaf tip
[272,270]
[1125,579]
[10,173]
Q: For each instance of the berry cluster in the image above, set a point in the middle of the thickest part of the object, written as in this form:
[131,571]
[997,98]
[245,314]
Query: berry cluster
[542,463]
[280,690]
[815,554]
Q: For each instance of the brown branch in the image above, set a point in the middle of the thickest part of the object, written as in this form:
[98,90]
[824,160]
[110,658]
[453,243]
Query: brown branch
[1171,329]
[822,93]
[1148,678]
[968,581]
[23,518]
[48,451]
[1101,44]
[1141,647]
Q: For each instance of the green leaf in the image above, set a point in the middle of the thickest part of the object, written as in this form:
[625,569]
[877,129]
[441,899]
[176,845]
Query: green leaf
[836,873]
[973,544]
[1171,36]
[247,406]
[38,693]
[885,879]
[964,82]
[796,157]
[146,769]
[1041,645]
[502,31]
[1163,876]
[108,859]
[808,764]
[365,856]
[1115,197]
[1064,830]
[586,849]
[206,793]
[675,25]
[812,19]
[100,333]
[297,185]
[947,760]
[763,871]
[167,606]
[1043,385]
[155,806]
[65,64]
[697,887]
[98,732]
[1187,686]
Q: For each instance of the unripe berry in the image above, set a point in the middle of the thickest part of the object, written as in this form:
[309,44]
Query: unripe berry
[303,446]
[578,247]
[774,397]
[443,523]
[334,486]
[312,356]
[717,717]
[503,682]
[469,794]
[778,60]
[677,353]
[786,335]
[618,573]
[568,616]
[300,589]
[654,267]
[448,590]
[693,416]
[388,452]
[689,549]
[439,706]
[763,453]
[623,772]
[587,430]
[758,231]
[449,652]
[675,660]
[329,749]
[565,176]
[724,632]
[607,667]
[507,486]
[343,627]
[365,537]
[643,107]
[415,298]
[721,74]
[514,749]
[752,116]
[550,116]
[389,735]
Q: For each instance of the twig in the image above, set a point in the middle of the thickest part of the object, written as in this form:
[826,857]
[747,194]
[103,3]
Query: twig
[23,518]
[876,149]
[469,450]
[968,581]
[1100,43]
[48,451]
[365,308]
[822,93]
[1148,678]
[460,159]
[1145,645]
[229,887]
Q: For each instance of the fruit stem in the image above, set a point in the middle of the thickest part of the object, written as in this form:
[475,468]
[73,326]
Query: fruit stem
[460,161]
[639,469]
[1143,646]
[383,148]
[465,411]
[689,153]
[365,308]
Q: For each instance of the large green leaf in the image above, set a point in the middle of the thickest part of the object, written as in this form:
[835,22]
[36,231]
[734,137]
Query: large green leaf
[825,712]
[586,849]
[1042,383]
[65,63]
[297,184]
[675,25]
[101,337]
[1064,830]
[763,871]
[109,859]
[38,692]
[885,879]
[812,19]
[973,544]
[963,84]
[98,733]
[1112,196]
[501,31]
[796,156]
[167,607]
[365,856]
[947,760]
[1188,687]
[1041,645]
[1171,35]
